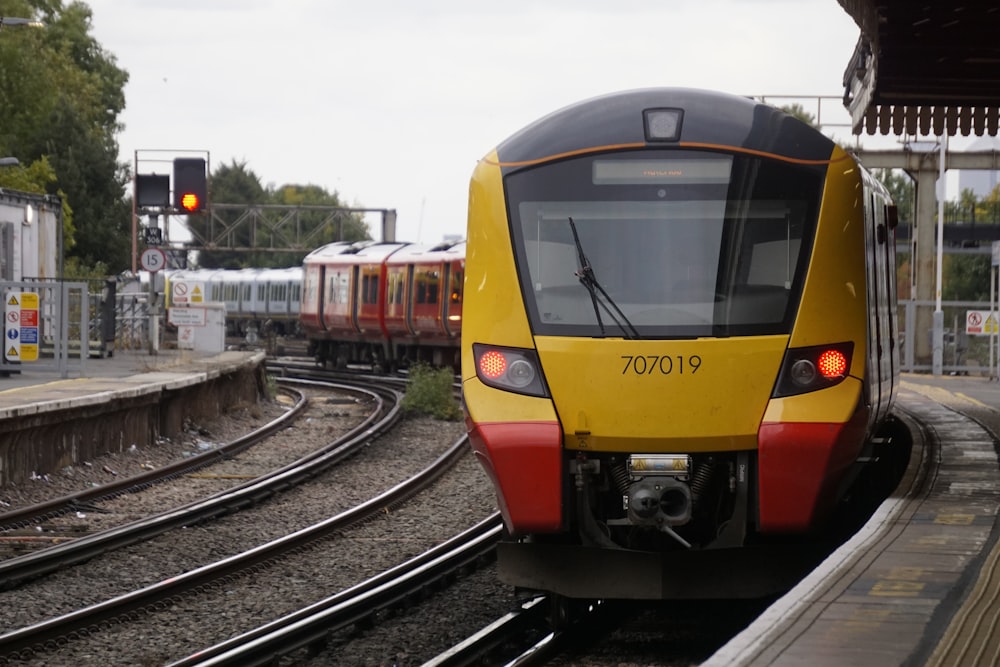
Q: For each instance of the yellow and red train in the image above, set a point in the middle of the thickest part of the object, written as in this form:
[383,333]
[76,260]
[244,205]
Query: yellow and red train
[679,338]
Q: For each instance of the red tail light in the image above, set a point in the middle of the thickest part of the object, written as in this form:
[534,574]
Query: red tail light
[492,364]
[832,364]
[510,369]
[806,369]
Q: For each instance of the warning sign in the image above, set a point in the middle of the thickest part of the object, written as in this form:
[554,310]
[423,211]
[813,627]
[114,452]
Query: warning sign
[21,326]
[184,293]
[189,317]
[980,322]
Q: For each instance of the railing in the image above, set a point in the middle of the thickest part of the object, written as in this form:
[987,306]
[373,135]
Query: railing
[962,353]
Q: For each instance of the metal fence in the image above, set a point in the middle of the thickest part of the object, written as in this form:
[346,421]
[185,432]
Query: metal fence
[59,328]
[962,354]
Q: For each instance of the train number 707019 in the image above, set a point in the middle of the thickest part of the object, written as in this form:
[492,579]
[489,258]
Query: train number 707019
[666,364]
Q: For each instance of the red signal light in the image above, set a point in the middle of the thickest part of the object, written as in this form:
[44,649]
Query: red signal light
[189,201]
[832,364]
[492,364]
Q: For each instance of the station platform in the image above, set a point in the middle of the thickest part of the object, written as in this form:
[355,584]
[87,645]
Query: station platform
[917,584]
[48,422]
[105,378]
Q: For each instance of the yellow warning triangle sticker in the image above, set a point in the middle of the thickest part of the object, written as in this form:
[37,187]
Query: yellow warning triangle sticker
[13,301]
[197,290]
[12,352]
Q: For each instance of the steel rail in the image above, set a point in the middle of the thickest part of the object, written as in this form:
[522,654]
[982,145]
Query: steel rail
[313,624]
[24,516]
[51,632]
[13,571]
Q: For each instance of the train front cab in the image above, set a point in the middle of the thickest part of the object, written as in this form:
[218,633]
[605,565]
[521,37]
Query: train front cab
[653,422]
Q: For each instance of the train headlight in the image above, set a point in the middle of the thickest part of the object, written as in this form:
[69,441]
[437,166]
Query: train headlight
[521,373]
[806,369]
[510,369]
[803,372]
[662,124]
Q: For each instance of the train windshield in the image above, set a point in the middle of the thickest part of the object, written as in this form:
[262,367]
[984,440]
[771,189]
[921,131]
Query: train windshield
[662,245]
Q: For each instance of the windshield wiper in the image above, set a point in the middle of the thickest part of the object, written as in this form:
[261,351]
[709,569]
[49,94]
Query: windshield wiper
[587,278]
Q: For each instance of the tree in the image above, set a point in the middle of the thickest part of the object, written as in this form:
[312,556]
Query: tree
[965,278]
[60,98]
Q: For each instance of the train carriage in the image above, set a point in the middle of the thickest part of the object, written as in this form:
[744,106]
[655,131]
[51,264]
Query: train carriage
[311,308]
[387,304]
[424,298]
[678,336]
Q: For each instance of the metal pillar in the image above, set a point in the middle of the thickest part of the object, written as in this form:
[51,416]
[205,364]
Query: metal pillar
[938,335]
[923,259]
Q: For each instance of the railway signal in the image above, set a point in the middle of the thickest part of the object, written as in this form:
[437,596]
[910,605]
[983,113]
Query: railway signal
[190,184]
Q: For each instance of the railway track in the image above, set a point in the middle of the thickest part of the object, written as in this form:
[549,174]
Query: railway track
[312,626]
[86,498]
[336,621]
[35,638]
[13,571]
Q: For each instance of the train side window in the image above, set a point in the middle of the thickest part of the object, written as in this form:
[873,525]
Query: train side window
[337,292]
[369,289]
[421,289]
[433,282]
[427,286]
[395,289]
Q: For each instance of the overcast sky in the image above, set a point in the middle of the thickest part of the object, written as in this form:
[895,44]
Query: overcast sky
[391,103]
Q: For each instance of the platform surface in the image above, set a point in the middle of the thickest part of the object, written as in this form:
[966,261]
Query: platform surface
[125,373]
[917,585]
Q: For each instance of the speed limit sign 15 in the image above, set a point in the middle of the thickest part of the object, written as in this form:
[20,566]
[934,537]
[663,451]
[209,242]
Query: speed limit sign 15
[153,259]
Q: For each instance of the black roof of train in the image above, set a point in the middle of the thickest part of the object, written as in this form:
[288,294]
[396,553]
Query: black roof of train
[616,120]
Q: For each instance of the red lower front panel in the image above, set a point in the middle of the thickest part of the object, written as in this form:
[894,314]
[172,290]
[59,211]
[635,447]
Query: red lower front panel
[801,466]
[524,459]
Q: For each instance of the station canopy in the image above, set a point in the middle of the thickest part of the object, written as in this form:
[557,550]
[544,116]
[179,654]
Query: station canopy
[927,67]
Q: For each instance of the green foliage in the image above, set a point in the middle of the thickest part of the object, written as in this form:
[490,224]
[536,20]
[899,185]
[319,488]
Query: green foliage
[965,278]
[60,98]
[429,392]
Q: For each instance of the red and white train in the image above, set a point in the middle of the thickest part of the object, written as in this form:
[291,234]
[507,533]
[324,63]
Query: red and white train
[385,304]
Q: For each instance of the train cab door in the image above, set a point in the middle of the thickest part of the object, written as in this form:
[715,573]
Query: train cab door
[313,294]
[410,297]
[891,222]
[395,299]
[878,306]
[426,313]
[361,280]
[454,276]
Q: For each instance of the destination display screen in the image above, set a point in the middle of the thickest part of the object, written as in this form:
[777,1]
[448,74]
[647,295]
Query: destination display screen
[679,171]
